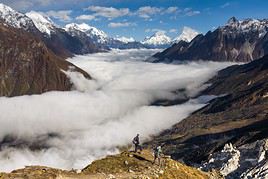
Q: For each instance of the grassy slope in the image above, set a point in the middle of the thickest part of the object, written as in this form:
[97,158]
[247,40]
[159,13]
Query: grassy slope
[124,165]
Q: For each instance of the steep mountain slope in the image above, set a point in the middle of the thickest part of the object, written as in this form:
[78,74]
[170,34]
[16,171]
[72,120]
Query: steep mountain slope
[124,165]
[28,66]
[239,116]
[42,22]
[236,41]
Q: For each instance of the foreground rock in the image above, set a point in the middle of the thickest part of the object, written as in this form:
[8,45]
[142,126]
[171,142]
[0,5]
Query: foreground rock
[246,161]
[27,66]
[124,165]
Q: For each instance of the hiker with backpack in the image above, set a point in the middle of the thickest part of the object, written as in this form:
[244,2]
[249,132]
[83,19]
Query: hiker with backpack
[136,142]
[157,154]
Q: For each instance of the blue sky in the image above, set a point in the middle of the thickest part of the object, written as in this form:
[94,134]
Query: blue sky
[140,18]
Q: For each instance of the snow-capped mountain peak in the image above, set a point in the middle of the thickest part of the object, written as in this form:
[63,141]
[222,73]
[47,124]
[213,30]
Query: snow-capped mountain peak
[81,27]
[232,21]
[187,35]
[14,18]
[43,23]
[93,32]
[158,39]
[5,9]
[244,26]
[125,39]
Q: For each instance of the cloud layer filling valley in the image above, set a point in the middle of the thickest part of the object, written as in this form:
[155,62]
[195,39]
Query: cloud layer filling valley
[100,115]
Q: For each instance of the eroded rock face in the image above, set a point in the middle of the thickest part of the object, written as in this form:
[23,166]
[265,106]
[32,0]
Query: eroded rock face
[27,66]
[246,161]
[226,160]
[240,41]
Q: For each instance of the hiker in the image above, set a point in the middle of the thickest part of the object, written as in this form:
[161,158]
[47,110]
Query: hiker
[136,142]
[157,155]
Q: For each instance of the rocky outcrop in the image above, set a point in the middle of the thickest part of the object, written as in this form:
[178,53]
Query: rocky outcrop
[240,41]
[27,66]
[227,161]
[238,116]
[246,161]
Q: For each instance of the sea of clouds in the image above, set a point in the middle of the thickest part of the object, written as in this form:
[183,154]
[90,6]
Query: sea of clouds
[99,115]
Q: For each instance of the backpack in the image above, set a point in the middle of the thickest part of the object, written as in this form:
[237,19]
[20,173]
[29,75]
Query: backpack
[157,150]
[135,140]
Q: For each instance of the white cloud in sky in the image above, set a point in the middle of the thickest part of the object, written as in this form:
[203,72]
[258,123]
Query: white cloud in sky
[62,15]
[22,5]
[147,11]
[27,5]
[225,5]
[120,24]
[155,30]
[103,114]
[147,30]
[172,9]
[85,17]
[125,39]
[173,30]
[190,12]
[108,12]
[95,12]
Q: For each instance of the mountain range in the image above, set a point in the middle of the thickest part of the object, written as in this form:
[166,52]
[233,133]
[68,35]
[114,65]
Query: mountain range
[239,41]
[161,40]
[82,38]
